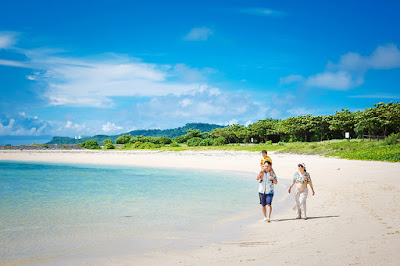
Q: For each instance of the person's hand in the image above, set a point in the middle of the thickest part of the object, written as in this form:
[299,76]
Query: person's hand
[313,192]
[289,190]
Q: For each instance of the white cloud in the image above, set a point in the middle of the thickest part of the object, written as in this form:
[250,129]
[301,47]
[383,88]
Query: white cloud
[23,127]
[351,69]
[190,74]
[23,114]
[75,126]
[349,62]
[176,93]
[7,129]
[339,81]
[93,82]
[299,111]
[248,123]
[282,105]
[27,125]
[108,127]
[185,102]
[198,34]
[36,127]
[201,105]
[384,57]
[291,79]
[261,11]
[232,122]
[12,63]
[87,128]
[7,39]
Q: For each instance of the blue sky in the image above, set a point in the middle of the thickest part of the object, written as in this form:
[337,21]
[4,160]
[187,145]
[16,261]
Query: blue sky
[75,68]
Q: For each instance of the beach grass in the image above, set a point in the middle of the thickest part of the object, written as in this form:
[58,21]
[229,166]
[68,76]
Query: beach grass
[346,149]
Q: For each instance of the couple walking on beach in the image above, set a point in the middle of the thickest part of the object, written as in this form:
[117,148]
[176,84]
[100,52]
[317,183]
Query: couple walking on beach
[267,181]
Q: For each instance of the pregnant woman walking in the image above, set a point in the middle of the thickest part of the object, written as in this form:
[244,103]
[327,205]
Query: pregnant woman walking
[301,179]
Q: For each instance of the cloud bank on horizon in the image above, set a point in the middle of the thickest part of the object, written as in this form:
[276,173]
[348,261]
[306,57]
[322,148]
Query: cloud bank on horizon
[238,70]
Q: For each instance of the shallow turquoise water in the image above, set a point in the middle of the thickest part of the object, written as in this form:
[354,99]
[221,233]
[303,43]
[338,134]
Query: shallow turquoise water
[51,210]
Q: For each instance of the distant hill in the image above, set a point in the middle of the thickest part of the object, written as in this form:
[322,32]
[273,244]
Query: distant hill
[171,133]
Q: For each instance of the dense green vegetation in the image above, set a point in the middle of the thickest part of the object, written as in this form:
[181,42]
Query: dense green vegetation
[355,149]
[170,133]
[388,150]
[380,120]
[305,134]
[90,144]
[108,145]
[175,132]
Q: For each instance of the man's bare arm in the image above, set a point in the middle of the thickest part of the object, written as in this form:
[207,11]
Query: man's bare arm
[260,175]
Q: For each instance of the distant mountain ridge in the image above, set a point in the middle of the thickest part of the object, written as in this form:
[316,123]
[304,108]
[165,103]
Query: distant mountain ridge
[170,133]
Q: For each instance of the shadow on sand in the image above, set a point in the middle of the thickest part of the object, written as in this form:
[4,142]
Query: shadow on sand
[309,218]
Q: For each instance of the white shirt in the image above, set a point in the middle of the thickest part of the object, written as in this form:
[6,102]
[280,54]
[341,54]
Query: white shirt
[266,186]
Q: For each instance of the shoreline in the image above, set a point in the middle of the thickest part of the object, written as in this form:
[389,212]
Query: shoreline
[211,160]
[190,159]
[353,218]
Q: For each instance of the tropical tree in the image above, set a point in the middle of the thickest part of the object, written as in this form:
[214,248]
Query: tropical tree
[194,133]
[382,119]
[305,126]
[219,141]
[107,141]
[389,117]
[263,128]
[123,139]
[90,144]
[223,132]
[289,126]
[241,132]
[191,133]
[280,129]
[320,125]
[341,122]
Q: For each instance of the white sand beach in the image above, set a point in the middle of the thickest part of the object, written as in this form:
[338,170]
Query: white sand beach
[353,217]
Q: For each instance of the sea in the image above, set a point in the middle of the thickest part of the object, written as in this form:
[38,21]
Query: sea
[51,212]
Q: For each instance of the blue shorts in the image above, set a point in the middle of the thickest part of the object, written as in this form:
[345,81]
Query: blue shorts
[265,199]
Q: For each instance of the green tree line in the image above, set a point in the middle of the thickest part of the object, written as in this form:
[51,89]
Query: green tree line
[382,119]
[170,133]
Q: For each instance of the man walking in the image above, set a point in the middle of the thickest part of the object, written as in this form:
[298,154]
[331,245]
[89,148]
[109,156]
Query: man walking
[268,180]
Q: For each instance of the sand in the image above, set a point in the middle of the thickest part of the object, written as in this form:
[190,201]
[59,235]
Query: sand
[354,217]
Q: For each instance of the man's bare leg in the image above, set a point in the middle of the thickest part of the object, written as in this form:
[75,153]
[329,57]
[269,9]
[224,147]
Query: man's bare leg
[269,211]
